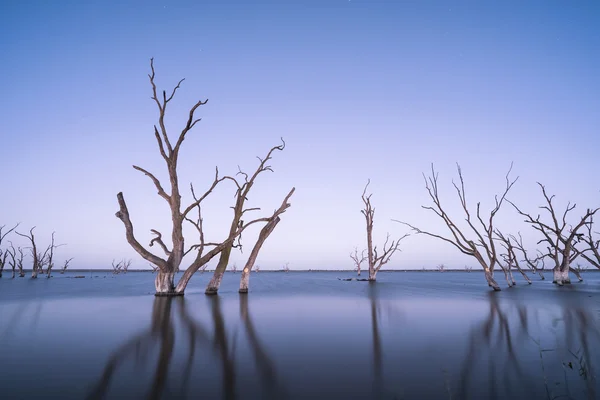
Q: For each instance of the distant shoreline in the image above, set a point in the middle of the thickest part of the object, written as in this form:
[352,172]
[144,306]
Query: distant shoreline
[310,270]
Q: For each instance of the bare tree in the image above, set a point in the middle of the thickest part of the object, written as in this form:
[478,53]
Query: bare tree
[532,263]
[234,268]
[510,259]
[4,253]
[441,268]
[125,265]
[37,258]
[358,260]
[558,236]
[20,262]
[286,267]
[48,258]
[592,247]
[262,237]
[241,195]
[375,260]
[13,261]
[256,269]
[66,265]
[481,245]
[117,268]
[468,269]
[165,279]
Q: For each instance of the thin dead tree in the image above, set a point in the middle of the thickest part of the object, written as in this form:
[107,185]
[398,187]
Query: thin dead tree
[532,263]
[375,260]
[286,267]
[234,268]
[241,195]
[590,253]
[168,266]
[262,237]
[558,236]
[37,259]
[66,265]
[441,268]
[481,245]
[13,261]
[510,259]
[20,263]
[49,256]
[4,253]
[358,260]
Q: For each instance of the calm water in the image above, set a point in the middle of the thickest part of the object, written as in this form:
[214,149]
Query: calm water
[299,336]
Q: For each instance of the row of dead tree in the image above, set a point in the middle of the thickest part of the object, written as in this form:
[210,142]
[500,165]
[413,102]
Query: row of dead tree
[561,242]
[43,261]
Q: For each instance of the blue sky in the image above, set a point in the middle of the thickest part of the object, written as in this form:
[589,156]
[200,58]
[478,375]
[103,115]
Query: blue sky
[358,89]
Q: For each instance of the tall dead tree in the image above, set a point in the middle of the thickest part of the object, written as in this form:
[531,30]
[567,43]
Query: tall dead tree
[37,259]
[49,256]
[358,260]
[480,244]
[13,260]
[168,266]
[531,263]
[241,195]
[558,236]
[376,261]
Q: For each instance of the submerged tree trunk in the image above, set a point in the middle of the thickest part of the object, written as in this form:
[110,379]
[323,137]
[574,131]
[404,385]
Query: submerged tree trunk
[215,281]
[489,277]
[164,284]
[561,277]
[262,237]
[577,274]
[372,275]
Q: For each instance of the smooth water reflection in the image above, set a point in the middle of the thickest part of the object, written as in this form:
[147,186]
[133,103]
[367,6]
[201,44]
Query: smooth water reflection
[524,343]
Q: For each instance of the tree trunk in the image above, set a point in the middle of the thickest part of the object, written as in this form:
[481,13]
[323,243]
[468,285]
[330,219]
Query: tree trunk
[165,284]
[561,277]
[489,277]
[245,280]
[577,274]
[507,276]
[34,273]
[525,276]
[262,237]
[372,274]
[215,282]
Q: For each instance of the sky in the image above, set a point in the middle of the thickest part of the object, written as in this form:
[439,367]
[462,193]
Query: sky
[358,89]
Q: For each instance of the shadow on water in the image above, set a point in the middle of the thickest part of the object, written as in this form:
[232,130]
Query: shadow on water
[197,339]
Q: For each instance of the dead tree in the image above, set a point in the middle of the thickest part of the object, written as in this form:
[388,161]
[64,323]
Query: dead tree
[468,269]
[241,195]
[558,236]
[168,266]
[234,268]
[481,245]
[49,256]
[262,237]
[125,265]
[286,267]
[4,253]
[510,259]
[37,259]
[66,264]
[531,263]
[358,260]
[20,263]
[375,260]
[590,253]
[13,261]
[441,268]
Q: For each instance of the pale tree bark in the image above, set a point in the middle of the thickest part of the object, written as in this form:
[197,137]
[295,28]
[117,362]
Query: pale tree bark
[241,195]
[481,244]
[375,260]
[170,264]
[558,236]
[358,260]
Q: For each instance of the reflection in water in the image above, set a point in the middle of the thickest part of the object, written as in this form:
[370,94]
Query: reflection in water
[161,337]
[504,342]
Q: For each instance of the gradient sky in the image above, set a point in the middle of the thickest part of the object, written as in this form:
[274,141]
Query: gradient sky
[358,89]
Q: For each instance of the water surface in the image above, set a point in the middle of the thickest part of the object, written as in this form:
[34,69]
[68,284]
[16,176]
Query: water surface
[299,335]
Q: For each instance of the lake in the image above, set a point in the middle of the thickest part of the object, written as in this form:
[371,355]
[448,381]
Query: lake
[299,335]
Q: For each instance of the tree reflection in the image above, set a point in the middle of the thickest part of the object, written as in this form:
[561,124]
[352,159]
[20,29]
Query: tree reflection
[502,341]
[168,328]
